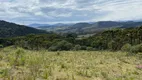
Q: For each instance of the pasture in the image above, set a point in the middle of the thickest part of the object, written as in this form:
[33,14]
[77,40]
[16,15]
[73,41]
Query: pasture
[20,64]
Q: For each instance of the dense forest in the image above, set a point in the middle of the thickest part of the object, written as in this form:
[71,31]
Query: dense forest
[129,39]
[12,30]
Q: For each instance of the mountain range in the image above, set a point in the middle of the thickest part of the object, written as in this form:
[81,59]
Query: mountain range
[89,27]
[8,29]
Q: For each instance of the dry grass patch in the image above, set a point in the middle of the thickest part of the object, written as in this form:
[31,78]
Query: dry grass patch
[20,64]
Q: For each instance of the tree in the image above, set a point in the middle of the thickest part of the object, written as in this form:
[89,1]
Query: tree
[111,45]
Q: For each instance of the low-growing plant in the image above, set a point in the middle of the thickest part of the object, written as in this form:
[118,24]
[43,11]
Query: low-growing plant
[77,47]
[126,47]
[69,65]
[90,49]
[83,47]
[1,46]
[19,57]
[53,48]
[5,73]
[136,48]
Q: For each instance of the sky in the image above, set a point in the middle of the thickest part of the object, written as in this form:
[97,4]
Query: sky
[69,11]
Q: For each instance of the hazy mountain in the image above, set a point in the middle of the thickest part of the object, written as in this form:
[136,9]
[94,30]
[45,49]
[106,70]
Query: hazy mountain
[8,29]
[37,25]
[131,24]
[80,25]
[55,27]
[90,27]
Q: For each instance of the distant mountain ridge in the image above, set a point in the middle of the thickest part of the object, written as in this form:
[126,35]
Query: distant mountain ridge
[93,27]
[8,29]
[37,25]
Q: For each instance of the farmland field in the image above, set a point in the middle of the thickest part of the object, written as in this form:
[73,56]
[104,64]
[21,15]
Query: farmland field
[20,64]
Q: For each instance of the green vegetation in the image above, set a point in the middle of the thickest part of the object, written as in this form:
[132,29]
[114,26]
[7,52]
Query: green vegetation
[77,47]
[129,40]
[1,46]
[13,30]
[136,48]
[20,64]
[114,54]
[62,45]
[126,47]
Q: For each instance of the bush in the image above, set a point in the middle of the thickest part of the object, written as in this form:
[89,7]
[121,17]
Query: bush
[126,47]
[77,47]
[83,47]
[59,46]
[136,48]
[1,46]
[53,48]
[90,48]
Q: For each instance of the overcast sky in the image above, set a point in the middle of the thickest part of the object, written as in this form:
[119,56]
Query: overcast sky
[62,11]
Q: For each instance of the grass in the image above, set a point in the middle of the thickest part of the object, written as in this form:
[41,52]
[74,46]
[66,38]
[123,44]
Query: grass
[20,64]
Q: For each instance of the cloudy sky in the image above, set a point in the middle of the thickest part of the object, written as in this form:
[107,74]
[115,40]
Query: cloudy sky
[66,11]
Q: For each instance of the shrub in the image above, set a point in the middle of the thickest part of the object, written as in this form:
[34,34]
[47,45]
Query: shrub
[136,48]
[126,47]
[77,47]
[1,46]
[17,58]
[53,48]
[62,45]
[90,48]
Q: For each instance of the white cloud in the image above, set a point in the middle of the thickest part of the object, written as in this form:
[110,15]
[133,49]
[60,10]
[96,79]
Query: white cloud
[31,11]
[123,10]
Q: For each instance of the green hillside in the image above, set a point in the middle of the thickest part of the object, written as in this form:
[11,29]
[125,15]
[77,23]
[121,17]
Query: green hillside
[12,30]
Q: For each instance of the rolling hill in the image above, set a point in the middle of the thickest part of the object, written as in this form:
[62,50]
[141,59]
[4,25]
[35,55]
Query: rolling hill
[8,29]
[89,28]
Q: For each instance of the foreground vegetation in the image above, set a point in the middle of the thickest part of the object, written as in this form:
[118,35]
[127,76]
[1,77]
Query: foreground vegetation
[20,64]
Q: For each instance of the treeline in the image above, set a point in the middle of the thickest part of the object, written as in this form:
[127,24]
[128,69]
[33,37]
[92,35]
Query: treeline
[118,39]
[129,39]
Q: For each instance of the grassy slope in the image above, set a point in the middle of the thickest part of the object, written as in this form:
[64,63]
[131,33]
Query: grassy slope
[22,64]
